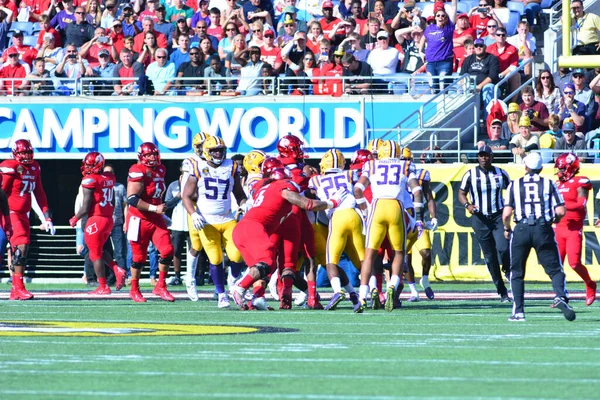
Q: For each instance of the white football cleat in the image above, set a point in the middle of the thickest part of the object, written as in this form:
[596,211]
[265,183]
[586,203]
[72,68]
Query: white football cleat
[192,292]
[301,299]
[224,301]
[273,286]
[260,304]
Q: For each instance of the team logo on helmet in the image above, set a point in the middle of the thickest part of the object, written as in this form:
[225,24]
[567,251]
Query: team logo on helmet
[359,158]
[198,141]
[269,165]
[388,149]
[291,146]
[92,163]
[254,160]
[148,154]
[567,166]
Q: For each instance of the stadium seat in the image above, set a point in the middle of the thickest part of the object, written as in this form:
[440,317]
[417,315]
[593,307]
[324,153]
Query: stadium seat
[30,40]
[24,27]
[428,8]
[516,6]
[36,28]
[546,3]
[513,22]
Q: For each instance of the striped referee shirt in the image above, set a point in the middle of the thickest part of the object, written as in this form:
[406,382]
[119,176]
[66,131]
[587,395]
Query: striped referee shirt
[485,188]
[534,196]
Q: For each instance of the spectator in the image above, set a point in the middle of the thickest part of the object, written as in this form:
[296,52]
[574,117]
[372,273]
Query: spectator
[369,40]
[117,36]
[335,69]
[484,66]
[293,52]
[150,11]
[469,49]
[65,16]
[226,44]
[182,29]
[201,33]
[532,9]
[234,14]
[270,54]
[191,69]
[520,145]
[409,39]
[286,34]
[206,51]
[148,26]
[525,43]
[51,54]
[26,53]
[202,14]
[554,126]
[314,36]
[131,26]
[502,12]
[39,79]
[129,72]
[72,66]
[232,67]
[251,69]
[215,71]
[584,95]
[162,73]
[47,28]
[384,59]
[10,73]
[100,41]
[6,19]
[562,76]
[163,26]
[178,9]
[214,27]
[344,9]
[93,13]
[462,32]
[535,110]
[329,23]
[508,57]
[571,142]
[110,15]
[303,85]
[250,7]
[268,83]
[569,107]
[362,22]
[429,157]
[355,68]
[546,91]
[439,51]
[119,241]
[290,16]
[496,142]
[479,17]
[257,39]
[492,26]
[105,69]
[324,53]
[181,53]
[511,126]
[586,27]
[128,43]
[352,45]
[408,15]
[149,50]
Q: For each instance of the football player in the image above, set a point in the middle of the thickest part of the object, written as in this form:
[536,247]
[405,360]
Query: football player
[21,177]
[214,181]
[97,205]
[145,190]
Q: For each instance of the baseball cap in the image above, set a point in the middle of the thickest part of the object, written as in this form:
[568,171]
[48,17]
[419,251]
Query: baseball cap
[463,16]
[513,107]
[569,126]
[524,121]
[578,71]
[496,122]
[116,22]
[382,34]
[569,85]
[269,31]
[438,6]
[339,52]
[429,19]
[103,52]
[533,161]
[479,42]
[161,7]
[300,35]
[11,51]
[485,149]
[290,10]
[18,33]
[127,6]
[327,4]
[180,18]
[409,3]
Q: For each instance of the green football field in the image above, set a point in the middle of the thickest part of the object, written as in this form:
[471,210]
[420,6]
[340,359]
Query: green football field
[450,349]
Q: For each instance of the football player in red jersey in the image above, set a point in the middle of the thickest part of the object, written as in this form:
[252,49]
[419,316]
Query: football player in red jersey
[255,235]
[97,205]
[298,233]
[569,231]
[145,191]
[21,177]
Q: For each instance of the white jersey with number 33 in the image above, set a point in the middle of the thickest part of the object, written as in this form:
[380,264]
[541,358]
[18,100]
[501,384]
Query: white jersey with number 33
[389,177]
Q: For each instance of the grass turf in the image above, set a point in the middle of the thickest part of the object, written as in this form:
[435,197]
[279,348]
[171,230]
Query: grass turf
[431,349]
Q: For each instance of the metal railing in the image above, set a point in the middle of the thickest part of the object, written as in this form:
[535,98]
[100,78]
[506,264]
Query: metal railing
[504,80]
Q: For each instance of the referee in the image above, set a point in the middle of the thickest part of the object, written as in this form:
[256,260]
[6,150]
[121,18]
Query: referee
[537,204]
[485,184]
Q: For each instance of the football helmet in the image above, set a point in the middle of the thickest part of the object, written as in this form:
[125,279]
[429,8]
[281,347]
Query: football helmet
[211,147]
[253,161]
[291,146]
[332,161]
[279,174]
[198,141]
[359,158]
[23,151]
[92,163]
[148,154]
[566,166]
[406,154]
[269,165]
[373,145]
[388,149]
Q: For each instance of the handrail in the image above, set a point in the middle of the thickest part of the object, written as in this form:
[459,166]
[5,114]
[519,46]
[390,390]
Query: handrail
[510,75]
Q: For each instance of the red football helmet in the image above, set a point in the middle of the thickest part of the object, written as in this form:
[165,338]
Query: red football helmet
[279,174]
[269,165]
[92,163]
[148,154]
[292,147]
[359,158]
[566,166]
[23,151]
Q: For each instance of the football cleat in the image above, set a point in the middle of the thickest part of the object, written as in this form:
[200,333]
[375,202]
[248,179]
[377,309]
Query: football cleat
[354,298]
[335,300]
[121,276]
[429,293]
[518,317]
[397,304]
[163,293]
[301,299]
[260,303]
[20,294]
[314,303]
[375,300]
[414,299]
[360,307]
[590,294]
[223,301]
[192,292]
[273,286]
[238,293]
[566,309]
[504,298]
[100,291]
[136,296]
[175,281]
[389,301]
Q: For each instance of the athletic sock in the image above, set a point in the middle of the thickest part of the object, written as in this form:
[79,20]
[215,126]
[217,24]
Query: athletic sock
[246,282]
[395,281]
[336,284]
[583,273]
[162,277]
[217,273]
[17,281]
[102,282]
[258,291]
[362,291]
[113,267]
[235,268]
[135,285]
[372,282]
[350,289]
[312,289]
[192,264]
[413,288]
[425,281]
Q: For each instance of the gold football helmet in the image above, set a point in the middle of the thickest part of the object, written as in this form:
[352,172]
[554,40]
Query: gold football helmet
[211,147]
[253,161]
[332,161]
[388,149]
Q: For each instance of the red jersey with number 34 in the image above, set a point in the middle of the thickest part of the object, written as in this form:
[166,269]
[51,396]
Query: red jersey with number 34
[270,208]
[568,190]
[103,186]
[19,181]
[154,187]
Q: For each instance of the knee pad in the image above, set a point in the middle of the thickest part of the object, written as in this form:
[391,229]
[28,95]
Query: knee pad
[263,270]
[288,274]
[166,260]
[18,259]
[137,265]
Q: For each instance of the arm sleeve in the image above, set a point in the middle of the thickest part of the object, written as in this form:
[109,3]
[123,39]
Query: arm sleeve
[494,69]
[36,208]
[40,195]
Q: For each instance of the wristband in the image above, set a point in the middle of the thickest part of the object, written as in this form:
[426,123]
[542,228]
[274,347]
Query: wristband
[467,205]
[417,205]
[330,204]
[416,189]
[152,208]
[362,200]
[360,186]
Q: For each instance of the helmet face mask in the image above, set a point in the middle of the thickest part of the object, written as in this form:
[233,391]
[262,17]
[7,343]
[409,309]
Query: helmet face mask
[291,146]
[332,161]
[253,161]
[148,154]
[566,166]
[92,163]
[23,151]
[214,150]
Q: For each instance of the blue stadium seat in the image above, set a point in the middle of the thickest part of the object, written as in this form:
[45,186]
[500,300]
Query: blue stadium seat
[546,3]
[516,6]
[24,27]
[513,22]
[30,40]
[36,28]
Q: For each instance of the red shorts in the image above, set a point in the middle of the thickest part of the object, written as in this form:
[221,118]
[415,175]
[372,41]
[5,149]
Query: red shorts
[21,229]
[308,236]
[96,233]
[290,236]
[155,231]
[253,241]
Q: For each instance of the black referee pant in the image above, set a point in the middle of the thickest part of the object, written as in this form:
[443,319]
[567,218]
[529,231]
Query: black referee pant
[489,232]
[539,236]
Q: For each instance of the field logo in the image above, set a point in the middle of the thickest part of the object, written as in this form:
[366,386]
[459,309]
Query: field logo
[90,329]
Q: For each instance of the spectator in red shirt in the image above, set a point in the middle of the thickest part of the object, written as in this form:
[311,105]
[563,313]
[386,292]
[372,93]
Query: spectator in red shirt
[535,110]
[150,11]
[328,22]
[47,28]
[462,33]
[508,55]
[271,54]
[479,17]
[215,29]
[11,70]
[117,36]
[90,50]
[26,53]
[127,68]
[11,6]
[148,25]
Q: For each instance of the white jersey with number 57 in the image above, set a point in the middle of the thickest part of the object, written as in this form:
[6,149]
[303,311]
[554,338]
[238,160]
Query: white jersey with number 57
[389,177]
[326,185]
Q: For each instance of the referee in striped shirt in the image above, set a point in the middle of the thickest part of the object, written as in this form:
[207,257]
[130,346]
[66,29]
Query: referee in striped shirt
[484,185]
[536,204]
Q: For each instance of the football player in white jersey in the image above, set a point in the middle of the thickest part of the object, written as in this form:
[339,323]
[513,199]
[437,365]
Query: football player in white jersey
[214,180]
[388,177]
[345,224]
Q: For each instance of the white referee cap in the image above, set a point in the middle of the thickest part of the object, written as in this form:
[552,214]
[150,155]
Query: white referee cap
[533,161]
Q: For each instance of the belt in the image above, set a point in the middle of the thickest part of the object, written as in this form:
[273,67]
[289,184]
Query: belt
[492,216]
[525,221]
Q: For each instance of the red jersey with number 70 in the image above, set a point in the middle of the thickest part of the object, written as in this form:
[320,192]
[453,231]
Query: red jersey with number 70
[153,180]
[103,187]
[270,208]
[19,181]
